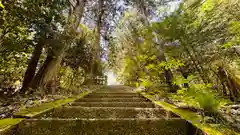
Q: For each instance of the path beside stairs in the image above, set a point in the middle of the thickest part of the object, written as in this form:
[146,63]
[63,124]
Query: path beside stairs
[113,110]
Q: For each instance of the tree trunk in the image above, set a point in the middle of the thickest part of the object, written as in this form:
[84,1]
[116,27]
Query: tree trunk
[50,68]
[193,59]
[32,65]
[95,67]
[197,59]
[185,75]
[169,77]
[98,29]
[168,74]
[39,76]
[142,8]
[230,83]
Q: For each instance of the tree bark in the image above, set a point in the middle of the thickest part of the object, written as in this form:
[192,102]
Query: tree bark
[95,67]
[169,77]
[50,68]
[142,8]
[32,65]
[185,75]
[193,59]
[230,83]
[168,74]
[39,76]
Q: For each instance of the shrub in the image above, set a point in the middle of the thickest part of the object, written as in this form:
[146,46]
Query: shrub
[201,96]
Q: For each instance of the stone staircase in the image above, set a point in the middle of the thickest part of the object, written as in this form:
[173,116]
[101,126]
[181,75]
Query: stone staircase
[114,110]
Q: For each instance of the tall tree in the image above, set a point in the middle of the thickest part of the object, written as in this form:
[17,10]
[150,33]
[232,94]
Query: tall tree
[44,23]
[49,70]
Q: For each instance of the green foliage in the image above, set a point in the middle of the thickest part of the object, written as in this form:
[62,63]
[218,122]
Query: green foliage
[180,80]
[196,120]
[8,123]
[23,25]
[12,70]
[201,96]
[36,110]
[31,26]
[145,82]
[71,79]
[171,64]
[235,29]
[1,5]
[183,48]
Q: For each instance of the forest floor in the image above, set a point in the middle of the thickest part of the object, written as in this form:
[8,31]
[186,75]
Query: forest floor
[229,114]
[10,105]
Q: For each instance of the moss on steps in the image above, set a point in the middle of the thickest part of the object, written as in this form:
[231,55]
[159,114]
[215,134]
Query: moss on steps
[8,123]
[196,120]
[31,112]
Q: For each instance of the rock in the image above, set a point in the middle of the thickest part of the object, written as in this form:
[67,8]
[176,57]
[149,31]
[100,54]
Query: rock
[29,103]
[235,106]
[236,112]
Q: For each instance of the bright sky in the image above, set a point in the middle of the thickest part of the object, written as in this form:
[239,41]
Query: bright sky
[112,79]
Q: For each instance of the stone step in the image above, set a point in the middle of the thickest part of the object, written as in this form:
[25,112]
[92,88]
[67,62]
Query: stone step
[115,90]
[112,100]
[105,112]
[101,127]
[128,92]
[125,93]
[113,95]
[114,104]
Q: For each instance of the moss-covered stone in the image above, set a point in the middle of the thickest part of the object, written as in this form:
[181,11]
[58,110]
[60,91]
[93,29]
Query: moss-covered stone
[7,123]
[31,112]
[196,120]
[102,127]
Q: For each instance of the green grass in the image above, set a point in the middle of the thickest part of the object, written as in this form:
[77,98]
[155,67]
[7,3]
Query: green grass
[8,122]
[195,119]
[31,112]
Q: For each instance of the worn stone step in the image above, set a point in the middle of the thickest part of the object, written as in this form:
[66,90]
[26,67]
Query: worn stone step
[125,93]
[112,100]
[109,91]
[101,127]
[105,112]
[114,104]
[113,95]
[115,90]
[109,88]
